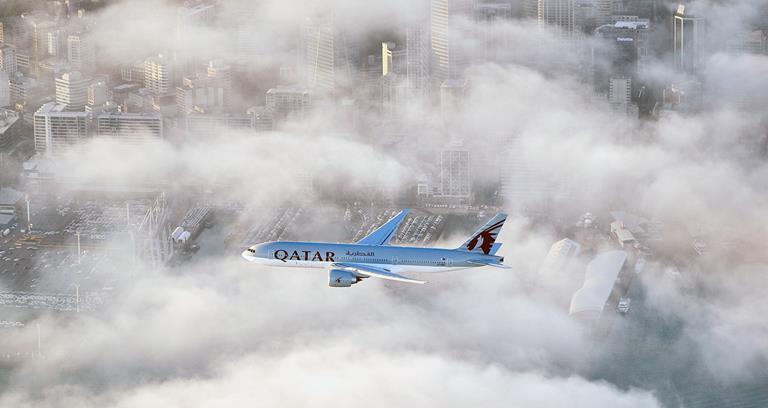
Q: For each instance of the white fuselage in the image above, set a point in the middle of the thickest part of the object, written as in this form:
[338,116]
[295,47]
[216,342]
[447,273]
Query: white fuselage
[325,255]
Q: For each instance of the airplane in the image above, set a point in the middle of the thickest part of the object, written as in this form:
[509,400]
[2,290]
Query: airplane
[373,256]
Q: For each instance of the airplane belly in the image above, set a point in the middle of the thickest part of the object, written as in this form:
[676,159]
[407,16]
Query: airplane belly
[428,269]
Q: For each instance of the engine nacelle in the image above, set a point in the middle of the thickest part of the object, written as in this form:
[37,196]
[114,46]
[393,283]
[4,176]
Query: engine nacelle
[339,278]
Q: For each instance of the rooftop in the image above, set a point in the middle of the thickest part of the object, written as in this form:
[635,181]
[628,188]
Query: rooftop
[288,88]
[599,279]
[454,83]
[59,109]
[7,119]
[9,196]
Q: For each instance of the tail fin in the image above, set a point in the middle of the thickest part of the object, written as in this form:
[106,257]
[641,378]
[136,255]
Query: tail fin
[483,240]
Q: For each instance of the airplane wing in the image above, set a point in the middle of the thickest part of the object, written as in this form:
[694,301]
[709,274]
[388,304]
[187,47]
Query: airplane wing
[384,234]
[375,271]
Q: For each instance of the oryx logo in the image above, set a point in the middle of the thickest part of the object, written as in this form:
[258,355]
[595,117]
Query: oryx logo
[488,237]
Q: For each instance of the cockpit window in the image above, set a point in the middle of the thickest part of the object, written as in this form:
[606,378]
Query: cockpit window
[251,250]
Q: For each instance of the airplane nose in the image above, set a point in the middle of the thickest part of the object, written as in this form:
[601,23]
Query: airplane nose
[249,254]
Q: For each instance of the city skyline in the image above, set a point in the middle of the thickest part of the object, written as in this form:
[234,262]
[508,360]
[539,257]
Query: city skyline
[144,144]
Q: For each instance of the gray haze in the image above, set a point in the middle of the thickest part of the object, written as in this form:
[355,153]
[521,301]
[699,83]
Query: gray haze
[220,332]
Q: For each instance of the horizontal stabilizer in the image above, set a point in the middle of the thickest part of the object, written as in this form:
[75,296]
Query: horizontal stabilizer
[376,272]
[488,263]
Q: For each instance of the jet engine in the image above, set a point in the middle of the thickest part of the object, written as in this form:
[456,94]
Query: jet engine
[339,278]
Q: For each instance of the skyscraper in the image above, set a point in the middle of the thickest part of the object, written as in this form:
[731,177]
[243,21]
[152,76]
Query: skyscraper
[20,87]
[80,52]
[386,59]
[191,16]
[627,55]
[452,95]
[688,36]
[158,74]
[54,43]
[220,73]
[449,57]
[559,13]
[39,28]
[620,91]
[454,173]
[417,60]
[493,43]
[326,54]
[489,12]
[531,9]
[72,90]
[8,59]
[5,89]
[526,183]
[56,130]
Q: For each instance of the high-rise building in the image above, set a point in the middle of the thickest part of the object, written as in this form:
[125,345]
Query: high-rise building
[158,74]
[627,55]
[39,28]
[386,59]
[132,128]
[454,173]
[620,91]
[452,94]
[620,96]
[394,93]
[200,94]
[604,9]
[489,12]
[72,90]
[557,13]
[53,46]
[417,60]
[5,89]
[133,72]
[493,43]
[192,15]
[526,183]
[220,73]
[449,56]
[211,124]
[688,38]
[263,118]
[288,101]
[80,52]
[531,9]
[98,95]
[23,62]
[56,129]
[8,59]
[9,126]
[21,87]
[327,59]
[750,42]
